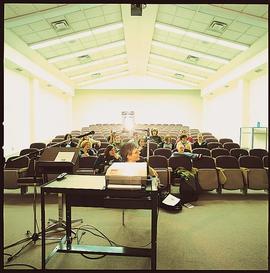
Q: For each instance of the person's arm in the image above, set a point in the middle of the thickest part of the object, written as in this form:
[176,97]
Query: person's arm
[189,147]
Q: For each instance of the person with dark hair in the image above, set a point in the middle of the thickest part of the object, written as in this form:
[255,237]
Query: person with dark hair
[142,146]
[106,159]
[155,137]
[69,142]
[184,147]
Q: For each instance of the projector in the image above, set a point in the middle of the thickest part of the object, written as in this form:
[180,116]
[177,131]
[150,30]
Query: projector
[136,9]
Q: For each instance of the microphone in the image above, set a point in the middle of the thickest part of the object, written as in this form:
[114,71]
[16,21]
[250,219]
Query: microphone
[86,134]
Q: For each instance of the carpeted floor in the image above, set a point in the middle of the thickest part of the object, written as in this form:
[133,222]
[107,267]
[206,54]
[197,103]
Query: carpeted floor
[228,231]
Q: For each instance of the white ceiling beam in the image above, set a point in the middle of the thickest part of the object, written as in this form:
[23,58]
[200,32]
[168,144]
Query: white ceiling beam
[138,32]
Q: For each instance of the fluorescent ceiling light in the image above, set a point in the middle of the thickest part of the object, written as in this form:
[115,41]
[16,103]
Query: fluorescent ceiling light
[76,36]
[172,78]
[111,68]
[165,59]
[191,52]
[202,37]
[94,63]
[171,71]
[103,78]
[85,52]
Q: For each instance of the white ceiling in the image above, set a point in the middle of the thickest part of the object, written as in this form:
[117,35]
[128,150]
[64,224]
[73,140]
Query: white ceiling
[111,43]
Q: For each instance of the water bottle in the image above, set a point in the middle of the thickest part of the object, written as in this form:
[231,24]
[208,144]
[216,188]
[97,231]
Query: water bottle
[258,124]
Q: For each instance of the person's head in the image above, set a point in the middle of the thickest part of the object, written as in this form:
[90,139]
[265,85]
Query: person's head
[135,135]
[85,145]
[130,152]
[167,139]
[154,132]
[199,138]
[117,139]
[183,138]
[142,142]
[109,151]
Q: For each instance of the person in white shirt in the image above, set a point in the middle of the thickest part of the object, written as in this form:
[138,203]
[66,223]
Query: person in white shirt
[184,147]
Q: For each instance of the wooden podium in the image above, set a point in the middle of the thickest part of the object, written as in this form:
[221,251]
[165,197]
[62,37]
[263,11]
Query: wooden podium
[57,160]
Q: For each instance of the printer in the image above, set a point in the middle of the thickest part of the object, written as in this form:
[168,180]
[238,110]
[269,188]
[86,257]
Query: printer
[121,175]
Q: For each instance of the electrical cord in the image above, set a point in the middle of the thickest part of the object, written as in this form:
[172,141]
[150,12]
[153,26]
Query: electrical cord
[27,265]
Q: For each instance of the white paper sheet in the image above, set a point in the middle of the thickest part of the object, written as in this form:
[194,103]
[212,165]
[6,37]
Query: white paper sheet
[170,200]
[64,156]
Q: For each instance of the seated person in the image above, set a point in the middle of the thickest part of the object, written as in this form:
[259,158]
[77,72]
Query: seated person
[91,141]
[117,142]
[199,143]
[69,142]
[131,153]
[184,147]
[111,137]
[167,143]
[135,138]
[142,146]
[155,137]
[185,132]
[106,159]
[86,149]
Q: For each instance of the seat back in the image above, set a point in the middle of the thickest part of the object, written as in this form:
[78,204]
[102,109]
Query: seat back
[153,146]
[17,164]
[180,161]
[211,139]
[230,174]
[250,162]
[224,140]
[163,151]
[31,152]
[205,162]
[87,162]
[38,145]
[213,145]
[230,145]
[203,151]
[258,152]
[255,174]
[219,151]
[237,152]
[207,173]
[227,161]
[158,161]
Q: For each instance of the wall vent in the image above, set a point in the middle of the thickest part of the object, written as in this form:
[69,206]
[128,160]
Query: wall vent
[217,26]
[60,25]
[192,59]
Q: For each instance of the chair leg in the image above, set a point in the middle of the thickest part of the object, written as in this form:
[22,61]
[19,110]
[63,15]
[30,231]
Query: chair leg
[219,189]
[123,217]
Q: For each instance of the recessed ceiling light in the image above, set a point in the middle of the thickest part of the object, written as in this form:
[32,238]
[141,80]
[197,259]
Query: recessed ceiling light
[87,51]
[191,52]
[60,25]
[179,76]
[95,75]
[192,59]
[84,58]
[258,70]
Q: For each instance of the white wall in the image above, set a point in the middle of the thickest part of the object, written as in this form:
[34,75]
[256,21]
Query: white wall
[258,102]
[241,105]
[150,106]
[32,113]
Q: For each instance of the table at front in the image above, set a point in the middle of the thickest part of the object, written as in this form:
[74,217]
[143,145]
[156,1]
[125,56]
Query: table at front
[90,191]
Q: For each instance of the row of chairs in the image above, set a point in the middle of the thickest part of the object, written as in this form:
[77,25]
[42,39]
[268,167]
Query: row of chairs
[225,172]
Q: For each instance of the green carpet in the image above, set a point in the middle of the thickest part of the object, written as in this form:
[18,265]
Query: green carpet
[228,231]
